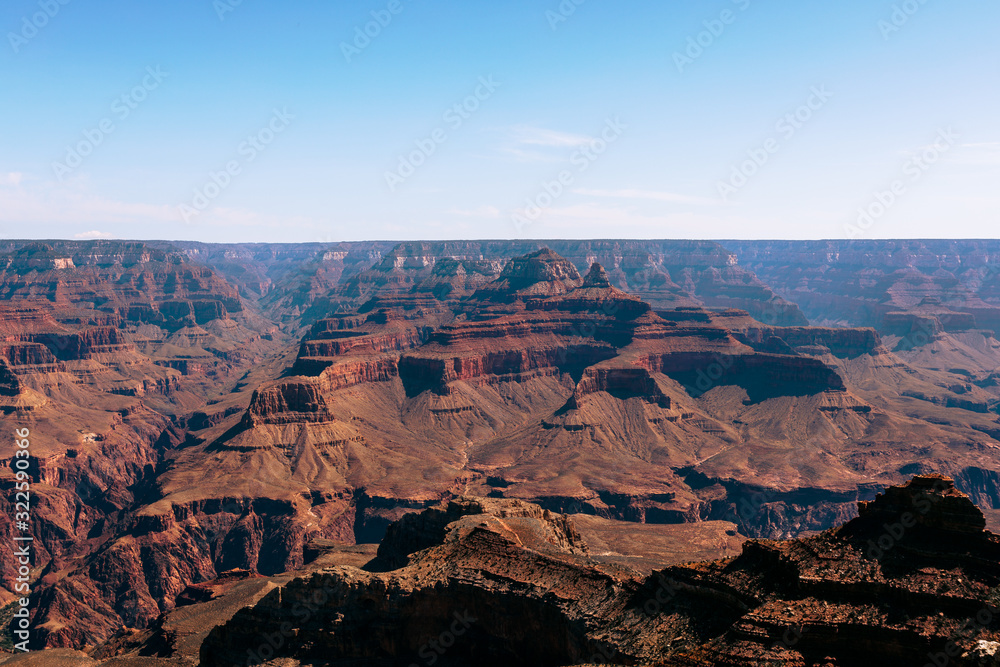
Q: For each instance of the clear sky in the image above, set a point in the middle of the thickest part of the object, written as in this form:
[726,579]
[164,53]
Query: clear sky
[259,120]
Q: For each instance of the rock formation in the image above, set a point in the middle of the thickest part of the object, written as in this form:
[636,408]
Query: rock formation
[198,408]
[912,580]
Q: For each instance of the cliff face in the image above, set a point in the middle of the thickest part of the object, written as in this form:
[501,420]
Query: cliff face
[84,485]
[841,343]
[286,403]
[763,376]
[300,283]
[92,338]
[525,377]
[622,383]
[197,408]
[871,283]
[416,532]
[106,301]
[538,274]
[128,279]
[666,274]
[908,581]
[502,546]
[9,384]
[901,584]
[335,347]
[541,393]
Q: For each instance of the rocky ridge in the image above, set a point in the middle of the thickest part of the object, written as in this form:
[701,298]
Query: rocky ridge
[912,579]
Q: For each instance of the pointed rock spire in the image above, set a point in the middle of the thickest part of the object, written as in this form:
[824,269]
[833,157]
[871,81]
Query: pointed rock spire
[597,277]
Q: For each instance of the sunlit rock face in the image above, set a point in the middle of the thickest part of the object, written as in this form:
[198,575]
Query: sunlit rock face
[196,409]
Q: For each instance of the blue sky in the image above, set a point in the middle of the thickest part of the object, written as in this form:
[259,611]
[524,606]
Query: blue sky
[217,121]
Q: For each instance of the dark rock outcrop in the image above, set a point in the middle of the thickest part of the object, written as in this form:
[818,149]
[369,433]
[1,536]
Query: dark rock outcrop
[911,579]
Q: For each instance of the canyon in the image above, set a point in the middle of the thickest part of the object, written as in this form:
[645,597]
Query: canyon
[911,580]
[252,420]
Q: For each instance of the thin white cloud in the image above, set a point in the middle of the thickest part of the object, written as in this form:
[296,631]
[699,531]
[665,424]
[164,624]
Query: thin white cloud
[530,143]
[25,200]
[94,235]
[628,193]
[74,204]
[528,135]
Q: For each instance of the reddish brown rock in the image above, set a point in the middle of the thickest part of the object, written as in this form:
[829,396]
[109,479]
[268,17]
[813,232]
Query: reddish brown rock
[823,600]
[190,421]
